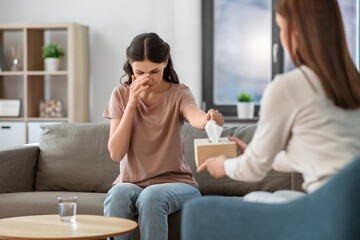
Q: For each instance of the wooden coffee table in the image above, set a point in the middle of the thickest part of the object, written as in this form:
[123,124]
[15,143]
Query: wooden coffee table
[50,227]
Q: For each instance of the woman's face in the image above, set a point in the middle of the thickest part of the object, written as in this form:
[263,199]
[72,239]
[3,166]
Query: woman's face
[155,71]
[284,33]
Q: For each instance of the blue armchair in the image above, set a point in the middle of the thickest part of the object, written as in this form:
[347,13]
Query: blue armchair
[331,213]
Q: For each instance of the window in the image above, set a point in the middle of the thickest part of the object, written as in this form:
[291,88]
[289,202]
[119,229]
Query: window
[242,50]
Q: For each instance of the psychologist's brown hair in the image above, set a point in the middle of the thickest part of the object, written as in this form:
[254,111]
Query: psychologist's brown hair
[321,45]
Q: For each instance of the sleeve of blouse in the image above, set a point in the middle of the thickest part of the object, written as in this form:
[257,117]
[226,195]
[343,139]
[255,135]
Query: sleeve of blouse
[186,97]
[282,163]
[115,107]
[271,136]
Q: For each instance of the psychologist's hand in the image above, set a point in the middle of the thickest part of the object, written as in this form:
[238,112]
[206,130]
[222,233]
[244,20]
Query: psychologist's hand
[242,145]
[214,115]
[215,166]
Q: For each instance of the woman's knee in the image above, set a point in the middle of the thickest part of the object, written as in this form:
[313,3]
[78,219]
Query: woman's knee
[150,199]
[121,194]
[165,197]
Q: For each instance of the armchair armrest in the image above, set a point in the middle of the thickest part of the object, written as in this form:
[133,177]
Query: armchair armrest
[17,168]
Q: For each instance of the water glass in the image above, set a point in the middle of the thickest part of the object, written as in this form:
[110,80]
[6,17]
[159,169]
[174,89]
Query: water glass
[67,208]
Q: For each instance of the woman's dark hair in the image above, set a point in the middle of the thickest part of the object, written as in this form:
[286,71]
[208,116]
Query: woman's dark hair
[149,46]
[321,46]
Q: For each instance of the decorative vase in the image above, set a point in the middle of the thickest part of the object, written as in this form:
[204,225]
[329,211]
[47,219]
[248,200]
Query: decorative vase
[245,110]
[52,64]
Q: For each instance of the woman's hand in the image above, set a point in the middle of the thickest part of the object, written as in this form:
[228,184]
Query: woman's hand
[215,166]
[198,118]
[242,145]
[214,115]
[137,86]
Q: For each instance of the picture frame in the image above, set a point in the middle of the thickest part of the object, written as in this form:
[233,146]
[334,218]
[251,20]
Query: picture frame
[10,107]
[3,66]
[50,109]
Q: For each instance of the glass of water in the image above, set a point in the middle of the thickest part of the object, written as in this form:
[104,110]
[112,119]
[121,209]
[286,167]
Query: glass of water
[67,208]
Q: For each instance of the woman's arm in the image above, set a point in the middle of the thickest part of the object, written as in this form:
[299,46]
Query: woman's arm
[198,118]
[271,136]
[281,163]
[120,129]
[120,133]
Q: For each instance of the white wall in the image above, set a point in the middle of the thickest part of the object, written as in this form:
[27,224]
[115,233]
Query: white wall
[112,25]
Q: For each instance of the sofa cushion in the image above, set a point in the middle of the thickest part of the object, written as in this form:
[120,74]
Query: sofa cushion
[75,157]
[35,203]
[226,186]
[17,168]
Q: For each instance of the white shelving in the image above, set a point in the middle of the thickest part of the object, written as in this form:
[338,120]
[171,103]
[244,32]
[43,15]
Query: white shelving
[32,84]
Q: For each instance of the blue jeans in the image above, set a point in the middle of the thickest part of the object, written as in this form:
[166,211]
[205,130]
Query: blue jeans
[152,205]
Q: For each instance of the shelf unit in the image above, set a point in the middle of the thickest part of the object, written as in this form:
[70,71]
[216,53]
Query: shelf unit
[32,84]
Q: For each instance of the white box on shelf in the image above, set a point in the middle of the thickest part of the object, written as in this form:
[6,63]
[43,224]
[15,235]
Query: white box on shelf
[10,107]
[34,130]
[12,134]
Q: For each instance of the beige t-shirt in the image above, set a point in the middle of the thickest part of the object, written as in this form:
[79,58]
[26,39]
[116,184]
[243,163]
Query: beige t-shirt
[156,151]
[317,138]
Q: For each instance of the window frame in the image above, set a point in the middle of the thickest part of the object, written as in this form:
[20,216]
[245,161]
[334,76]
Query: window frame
[208,59]
[277,57]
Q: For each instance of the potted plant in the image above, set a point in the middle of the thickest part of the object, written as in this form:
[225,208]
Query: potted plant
[245,106]
[52,54]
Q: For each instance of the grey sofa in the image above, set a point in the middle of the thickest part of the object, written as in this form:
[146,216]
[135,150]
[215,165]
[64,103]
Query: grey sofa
[73,159]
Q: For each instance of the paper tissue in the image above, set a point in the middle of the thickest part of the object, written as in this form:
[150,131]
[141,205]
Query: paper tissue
[214,145]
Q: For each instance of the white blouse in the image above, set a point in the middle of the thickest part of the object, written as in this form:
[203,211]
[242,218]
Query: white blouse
[301,130]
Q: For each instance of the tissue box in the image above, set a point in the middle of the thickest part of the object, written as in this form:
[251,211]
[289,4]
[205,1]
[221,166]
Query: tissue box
[204,149]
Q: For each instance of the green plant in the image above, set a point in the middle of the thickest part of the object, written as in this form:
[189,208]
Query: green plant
[53,50]
[243,97]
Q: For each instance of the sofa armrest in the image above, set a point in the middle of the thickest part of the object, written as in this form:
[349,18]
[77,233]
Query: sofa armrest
[18,168]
